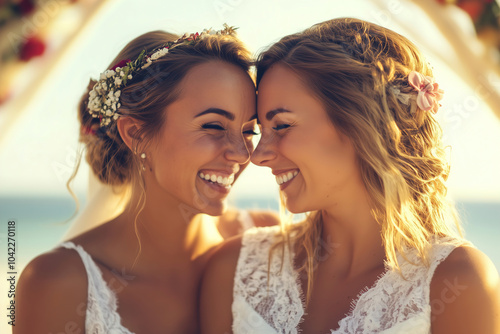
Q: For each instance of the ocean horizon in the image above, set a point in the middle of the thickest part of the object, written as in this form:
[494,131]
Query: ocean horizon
[42,221]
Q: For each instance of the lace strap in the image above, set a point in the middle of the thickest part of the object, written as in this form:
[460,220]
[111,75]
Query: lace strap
[274,294]
[96,282]
[255,245]
[101,300]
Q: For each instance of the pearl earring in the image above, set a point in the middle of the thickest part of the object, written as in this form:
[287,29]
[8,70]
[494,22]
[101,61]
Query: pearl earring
[143,156]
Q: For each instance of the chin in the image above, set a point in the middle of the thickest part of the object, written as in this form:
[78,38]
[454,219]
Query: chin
[293,206]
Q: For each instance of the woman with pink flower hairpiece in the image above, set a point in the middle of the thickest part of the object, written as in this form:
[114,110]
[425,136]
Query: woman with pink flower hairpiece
[172,119]
[346,109]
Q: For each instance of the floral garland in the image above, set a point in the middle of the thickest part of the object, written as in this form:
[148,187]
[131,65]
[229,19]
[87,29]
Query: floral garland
[104,98]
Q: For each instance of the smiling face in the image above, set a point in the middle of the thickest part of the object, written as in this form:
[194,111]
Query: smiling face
[314,163]
[205,142]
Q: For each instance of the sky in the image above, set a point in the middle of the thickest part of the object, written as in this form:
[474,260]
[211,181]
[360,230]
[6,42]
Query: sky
[39,153]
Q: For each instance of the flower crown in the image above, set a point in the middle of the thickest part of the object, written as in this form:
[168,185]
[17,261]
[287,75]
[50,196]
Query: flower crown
[429,93]
[104,98]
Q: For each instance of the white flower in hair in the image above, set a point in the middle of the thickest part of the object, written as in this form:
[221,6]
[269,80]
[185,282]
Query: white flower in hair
[104,98]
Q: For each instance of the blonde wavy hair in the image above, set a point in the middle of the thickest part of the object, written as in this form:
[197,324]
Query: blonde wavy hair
[357,70]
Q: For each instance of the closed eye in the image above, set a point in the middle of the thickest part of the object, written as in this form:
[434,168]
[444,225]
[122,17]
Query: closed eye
[213,126]
[281,127]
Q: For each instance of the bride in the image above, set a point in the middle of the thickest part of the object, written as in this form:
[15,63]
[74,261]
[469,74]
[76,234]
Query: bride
[348,129]
[173,119]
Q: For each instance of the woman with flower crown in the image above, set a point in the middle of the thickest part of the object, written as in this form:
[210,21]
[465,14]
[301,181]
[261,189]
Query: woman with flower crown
[173,119]
[348,129]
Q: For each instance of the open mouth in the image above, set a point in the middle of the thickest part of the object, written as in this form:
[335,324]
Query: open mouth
[219,179]
[285,177]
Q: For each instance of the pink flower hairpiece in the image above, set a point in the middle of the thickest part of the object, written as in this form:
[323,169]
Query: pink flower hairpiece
[428,91]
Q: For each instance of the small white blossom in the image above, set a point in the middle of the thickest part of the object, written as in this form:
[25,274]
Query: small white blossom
[129,76]
[103,76]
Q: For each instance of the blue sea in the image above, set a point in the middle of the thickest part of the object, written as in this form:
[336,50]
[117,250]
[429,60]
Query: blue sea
[40,223]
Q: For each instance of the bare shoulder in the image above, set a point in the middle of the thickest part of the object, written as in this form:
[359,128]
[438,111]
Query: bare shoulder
[216,296]
[225,258]
[465,294]
[264,218]
[51,293]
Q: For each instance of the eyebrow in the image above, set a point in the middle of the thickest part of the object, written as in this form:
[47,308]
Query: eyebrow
[274,112]
[218,111]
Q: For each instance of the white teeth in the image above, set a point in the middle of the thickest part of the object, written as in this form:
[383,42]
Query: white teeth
[280,179]
[221,180]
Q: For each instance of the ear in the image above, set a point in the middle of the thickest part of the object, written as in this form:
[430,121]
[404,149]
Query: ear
[129,129]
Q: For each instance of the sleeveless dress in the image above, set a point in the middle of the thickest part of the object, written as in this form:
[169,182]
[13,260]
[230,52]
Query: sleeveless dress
[101,315]
[275,305]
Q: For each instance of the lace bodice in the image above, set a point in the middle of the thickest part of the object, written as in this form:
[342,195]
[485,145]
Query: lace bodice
[273,304]
[101,315]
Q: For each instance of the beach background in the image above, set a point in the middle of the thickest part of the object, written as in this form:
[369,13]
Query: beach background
[38,135]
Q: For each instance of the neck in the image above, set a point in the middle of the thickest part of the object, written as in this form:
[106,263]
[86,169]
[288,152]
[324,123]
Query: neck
[352,237]
[166,227]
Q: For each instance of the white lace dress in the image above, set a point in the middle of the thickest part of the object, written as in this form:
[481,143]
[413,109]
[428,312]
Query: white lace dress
[101,315]
[275,305]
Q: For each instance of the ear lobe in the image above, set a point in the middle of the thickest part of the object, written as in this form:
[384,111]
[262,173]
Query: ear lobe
[129,129]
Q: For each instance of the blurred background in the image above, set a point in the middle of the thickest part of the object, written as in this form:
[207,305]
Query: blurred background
[50,48]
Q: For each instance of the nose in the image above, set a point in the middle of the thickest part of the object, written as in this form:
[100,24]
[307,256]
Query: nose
[265,151]
[237,150]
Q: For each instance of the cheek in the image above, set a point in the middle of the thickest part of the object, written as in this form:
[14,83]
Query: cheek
[182,155]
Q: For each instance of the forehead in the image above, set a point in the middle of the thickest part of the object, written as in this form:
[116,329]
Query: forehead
[280,87]
[217,80]
[279,79]
[214,85]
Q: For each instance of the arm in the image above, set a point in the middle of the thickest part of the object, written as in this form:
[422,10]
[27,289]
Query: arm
[217,289]
[465,294]
[51,295]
